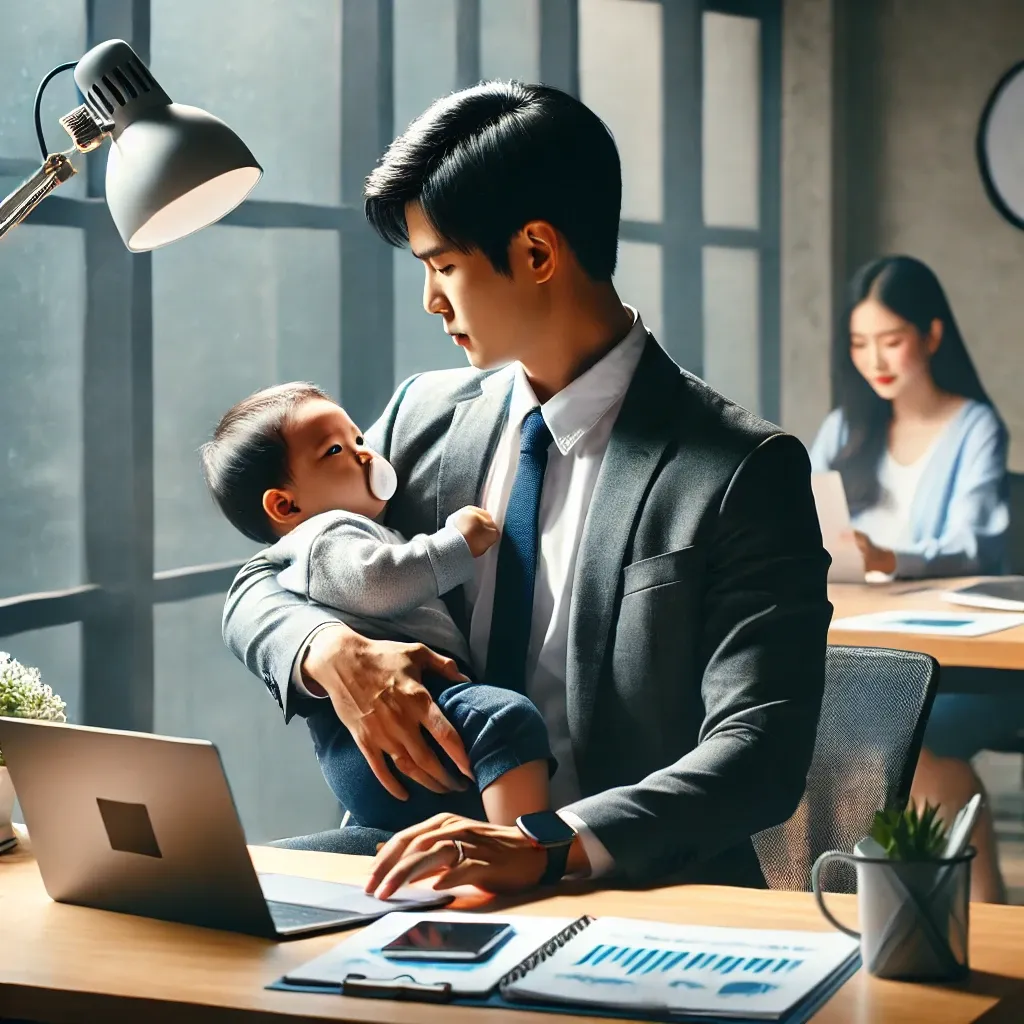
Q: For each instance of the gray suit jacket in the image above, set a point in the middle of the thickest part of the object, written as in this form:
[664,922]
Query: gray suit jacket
[696,649]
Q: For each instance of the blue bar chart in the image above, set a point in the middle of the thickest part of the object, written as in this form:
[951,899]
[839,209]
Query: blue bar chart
[638,960]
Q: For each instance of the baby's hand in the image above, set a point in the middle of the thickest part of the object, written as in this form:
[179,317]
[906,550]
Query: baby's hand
[477,526]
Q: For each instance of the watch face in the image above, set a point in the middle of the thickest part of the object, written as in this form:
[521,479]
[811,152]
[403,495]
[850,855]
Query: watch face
[546,828]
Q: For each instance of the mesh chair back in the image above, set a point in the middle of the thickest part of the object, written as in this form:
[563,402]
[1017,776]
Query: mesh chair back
[873,713]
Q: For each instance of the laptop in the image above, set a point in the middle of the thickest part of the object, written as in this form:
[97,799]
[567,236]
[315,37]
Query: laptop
[836,528]
[143,824]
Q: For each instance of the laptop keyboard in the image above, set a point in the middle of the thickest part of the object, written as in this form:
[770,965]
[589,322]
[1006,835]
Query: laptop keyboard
[293,915]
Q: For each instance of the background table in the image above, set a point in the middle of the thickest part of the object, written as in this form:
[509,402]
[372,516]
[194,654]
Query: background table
[69,964]
[995,660]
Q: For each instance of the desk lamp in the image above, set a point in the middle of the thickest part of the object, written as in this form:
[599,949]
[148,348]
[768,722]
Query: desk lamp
[172,169]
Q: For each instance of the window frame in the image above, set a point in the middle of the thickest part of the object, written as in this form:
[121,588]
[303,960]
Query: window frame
[116,605]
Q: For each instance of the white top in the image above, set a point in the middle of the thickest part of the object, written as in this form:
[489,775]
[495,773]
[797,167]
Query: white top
[887,523]
[580,418]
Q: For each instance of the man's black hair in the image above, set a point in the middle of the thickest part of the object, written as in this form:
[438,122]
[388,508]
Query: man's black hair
[248,456]
[485,161]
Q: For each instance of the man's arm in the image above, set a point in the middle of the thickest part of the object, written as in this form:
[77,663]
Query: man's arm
[766,616]
[339,560]
[265,627]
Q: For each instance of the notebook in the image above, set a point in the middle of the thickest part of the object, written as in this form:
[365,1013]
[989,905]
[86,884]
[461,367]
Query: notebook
[836,529]
[611,966]
[924,623]
[1004,594]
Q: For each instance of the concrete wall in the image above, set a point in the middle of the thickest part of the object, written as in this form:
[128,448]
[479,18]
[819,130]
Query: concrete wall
[937,61]
[899,86]
[810,227]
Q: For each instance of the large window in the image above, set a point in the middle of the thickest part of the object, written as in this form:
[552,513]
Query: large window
[118,365]
[697,123]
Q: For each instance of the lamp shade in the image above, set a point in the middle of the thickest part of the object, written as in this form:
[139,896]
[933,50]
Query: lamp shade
[172,169]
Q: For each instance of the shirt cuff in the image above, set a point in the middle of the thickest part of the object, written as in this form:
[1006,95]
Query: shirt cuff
[297,684]
[601,861]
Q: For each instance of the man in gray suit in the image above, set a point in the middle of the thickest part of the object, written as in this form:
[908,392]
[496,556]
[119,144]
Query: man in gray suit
[659,589]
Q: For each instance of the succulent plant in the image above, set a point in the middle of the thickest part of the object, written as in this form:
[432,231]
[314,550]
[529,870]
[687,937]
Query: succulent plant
[909,834]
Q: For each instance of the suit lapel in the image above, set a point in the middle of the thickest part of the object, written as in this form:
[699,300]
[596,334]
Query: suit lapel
[637,443]
[468,448]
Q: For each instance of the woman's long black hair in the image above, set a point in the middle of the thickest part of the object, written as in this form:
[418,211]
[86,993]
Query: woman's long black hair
[908,288]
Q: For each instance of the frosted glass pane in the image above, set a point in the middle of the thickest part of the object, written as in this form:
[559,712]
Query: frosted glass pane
[420,341]
[42,323]
[620,79]
[510,39]
[424,71]
[424,56]
[202,692]
[638,280]
[234,310]
[37,36]
[732,324]
[731,120]
[272,71]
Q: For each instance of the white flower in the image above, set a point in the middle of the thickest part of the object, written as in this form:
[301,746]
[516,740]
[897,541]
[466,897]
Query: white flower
[23,694]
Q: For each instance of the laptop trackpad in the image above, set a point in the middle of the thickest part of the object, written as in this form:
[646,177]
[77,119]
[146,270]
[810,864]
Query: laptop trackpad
[312,892]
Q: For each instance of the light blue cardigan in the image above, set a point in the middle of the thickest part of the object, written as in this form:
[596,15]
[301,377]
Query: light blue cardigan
[960,516]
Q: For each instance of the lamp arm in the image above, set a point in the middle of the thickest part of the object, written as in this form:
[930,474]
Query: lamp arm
[86,132]
[27,196]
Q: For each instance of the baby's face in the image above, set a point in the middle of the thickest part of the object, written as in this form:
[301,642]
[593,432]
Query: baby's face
[329,462]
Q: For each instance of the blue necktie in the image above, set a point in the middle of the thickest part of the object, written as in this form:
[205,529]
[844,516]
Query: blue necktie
[517,561]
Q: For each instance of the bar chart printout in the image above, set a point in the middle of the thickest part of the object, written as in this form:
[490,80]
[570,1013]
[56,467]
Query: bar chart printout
[620,962]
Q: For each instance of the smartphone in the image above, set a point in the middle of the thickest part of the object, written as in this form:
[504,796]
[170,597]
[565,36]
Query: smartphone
[448,941]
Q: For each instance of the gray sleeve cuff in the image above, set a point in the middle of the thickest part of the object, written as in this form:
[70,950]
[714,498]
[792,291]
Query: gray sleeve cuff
[450,558]
[296,680]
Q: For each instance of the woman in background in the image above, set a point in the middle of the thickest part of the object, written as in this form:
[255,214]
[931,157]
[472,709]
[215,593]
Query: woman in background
[921,449]
[922,453]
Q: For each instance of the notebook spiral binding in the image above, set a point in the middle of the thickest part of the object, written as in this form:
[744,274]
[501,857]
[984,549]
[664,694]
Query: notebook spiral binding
[538,956]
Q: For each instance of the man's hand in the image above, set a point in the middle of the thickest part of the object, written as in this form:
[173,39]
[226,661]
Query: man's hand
[477,526]
[876,559]
[496,858]
[376,689]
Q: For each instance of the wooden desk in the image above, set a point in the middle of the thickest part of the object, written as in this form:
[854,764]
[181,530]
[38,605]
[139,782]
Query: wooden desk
[1003,650]
[69,964]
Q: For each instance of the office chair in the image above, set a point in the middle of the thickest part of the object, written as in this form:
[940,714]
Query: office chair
[873,714]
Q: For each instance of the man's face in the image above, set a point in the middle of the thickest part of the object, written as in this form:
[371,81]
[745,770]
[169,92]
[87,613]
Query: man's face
[492,317]
[328,462]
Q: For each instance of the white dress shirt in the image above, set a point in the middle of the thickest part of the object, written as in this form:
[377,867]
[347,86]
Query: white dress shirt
[580,418]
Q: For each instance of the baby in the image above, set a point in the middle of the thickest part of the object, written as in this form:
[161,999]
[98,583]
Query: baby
[289,468]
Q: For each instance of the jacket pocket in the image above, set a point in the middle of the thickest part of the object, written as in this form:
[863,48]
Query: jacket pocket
[658,570]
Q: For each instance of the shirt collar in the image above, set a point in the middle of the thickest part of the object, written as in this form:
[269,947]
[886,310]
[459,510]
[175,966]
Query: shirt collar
[571,413]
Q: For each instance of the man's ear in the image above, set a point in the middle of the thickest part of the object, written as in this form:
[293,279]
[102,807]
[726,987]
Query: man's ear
[541,247]
[280,507]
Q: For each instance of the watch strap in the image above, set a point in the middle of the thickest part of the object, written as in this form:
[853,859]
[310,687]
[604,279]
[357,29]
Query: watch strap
[558,858]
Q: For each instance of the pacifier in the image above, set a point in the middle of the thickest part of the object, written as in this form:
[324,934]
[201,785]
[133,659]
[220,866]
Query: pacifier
[383,479]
